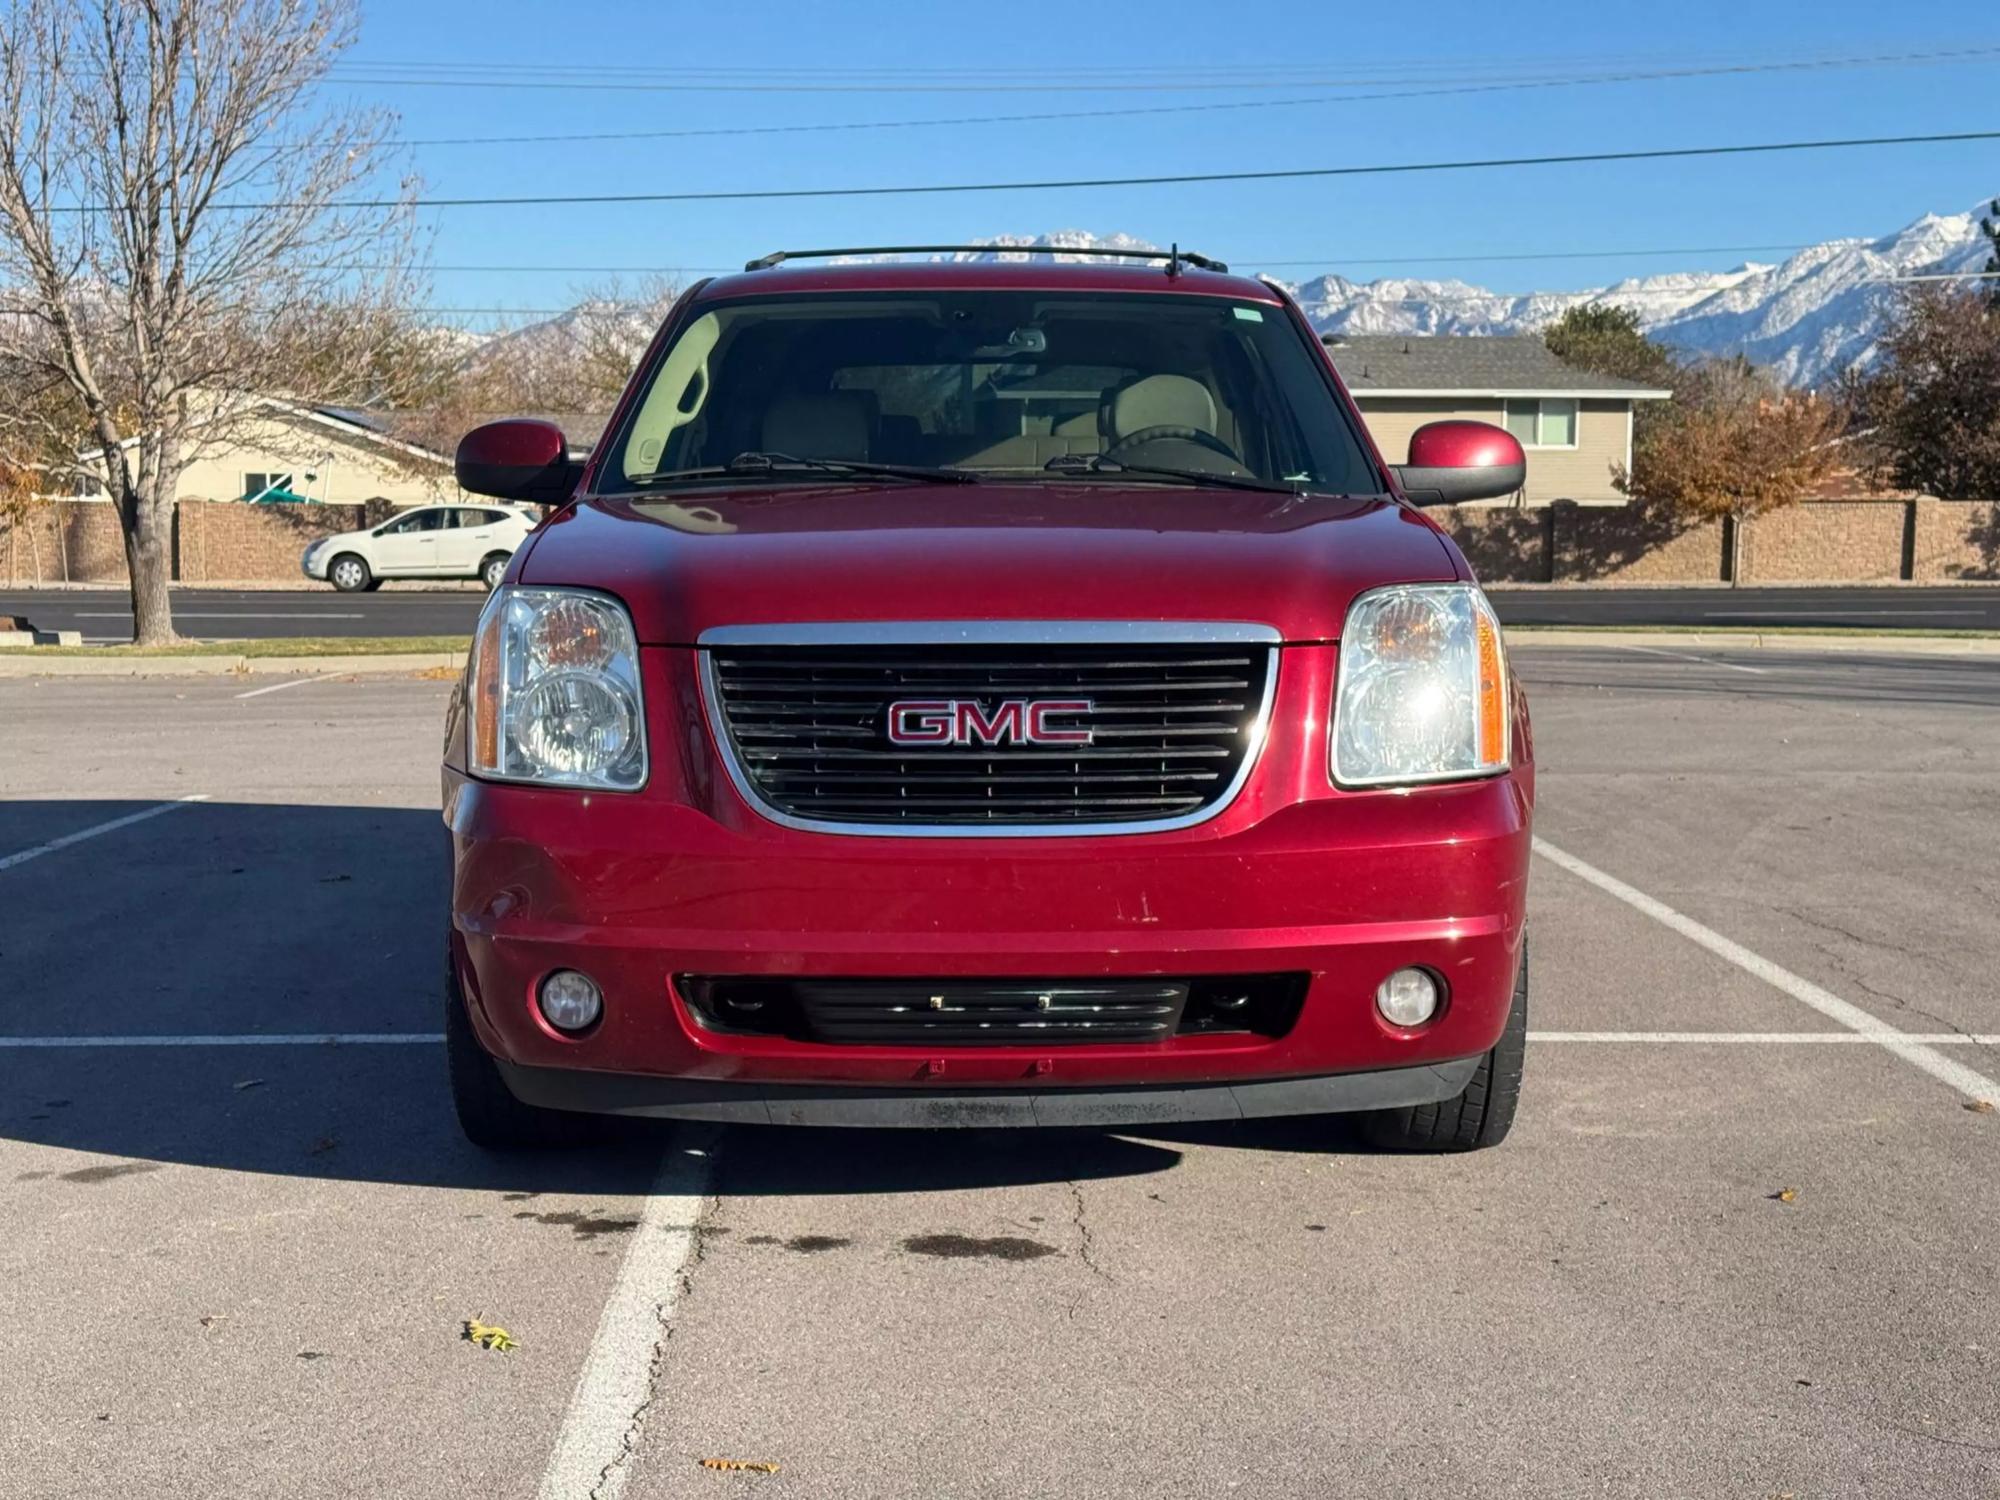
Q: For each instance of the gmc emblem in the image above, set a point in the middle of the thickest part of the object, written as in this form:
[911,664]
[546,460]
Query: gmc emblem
[963,721]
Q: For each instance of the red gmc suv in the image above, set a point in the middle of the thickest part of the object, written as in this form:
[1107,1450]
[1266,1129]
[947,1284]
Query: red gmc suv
[973,693]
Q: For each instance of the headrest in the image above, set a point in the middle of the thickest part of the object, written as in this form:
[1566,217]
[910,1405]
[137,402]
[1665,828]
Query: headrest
[823,426]
[1162,401]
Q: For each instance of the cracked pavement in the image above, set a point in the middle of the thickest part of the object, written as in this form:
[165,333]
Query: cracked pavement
[245,1271]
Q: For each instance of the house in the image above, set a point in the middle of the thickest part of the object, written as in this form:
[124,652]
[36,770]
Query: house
[1575,426]
[277,450]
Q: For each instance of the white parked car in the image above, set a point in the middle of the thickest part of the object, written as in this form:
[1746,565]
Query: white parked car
[433,541]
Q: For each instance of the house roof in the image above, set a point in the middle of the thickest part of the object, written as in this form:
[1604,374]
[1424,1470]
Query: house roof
[1468,365]
[351,422]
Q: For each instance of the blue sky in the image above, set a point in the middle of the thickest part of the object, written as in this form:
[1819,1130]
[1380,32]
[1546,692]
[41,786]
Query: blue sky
[1112,57]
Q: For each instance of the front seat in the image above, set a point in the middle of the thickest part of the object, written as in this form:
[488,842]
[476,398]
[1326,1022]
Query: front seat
[1159,401]
[830,425]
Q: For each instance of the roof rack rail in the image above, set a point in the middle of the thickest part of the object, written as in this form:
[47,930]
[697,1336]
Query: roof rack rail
[1174,256]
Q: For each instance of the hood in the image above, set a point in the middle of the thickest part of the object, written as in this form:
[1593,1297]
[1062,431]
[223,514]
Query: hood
[696,559]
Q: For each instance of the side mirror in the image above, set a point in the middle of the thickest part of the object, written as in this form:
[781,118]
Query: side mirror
[518,460]
[1452,462]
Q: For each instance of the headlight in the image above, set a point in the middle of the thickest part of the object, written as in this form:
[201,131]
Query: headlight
[555,691]
[1422,694]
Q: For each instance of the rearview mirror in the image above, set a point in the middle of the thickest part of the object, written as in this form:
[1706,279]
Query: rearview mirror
[518,460]
[1452,462]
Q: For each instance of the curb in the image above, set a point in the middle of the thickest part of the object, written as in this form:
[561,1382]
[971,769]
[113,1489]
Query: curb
[1520,637]
[27,664]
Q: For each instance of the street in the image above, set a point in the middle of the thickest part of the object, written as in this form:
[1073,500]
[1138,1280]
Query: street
[1740,1243]
[104,615]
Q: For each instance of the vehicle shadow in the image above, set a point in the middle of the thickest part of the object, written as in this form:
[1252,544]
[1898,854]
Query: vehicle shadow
[244,920]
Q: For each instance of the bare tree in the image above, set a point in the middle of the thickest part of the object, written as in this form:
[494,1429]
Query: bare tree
[185,227]
[573,367]
[578,362]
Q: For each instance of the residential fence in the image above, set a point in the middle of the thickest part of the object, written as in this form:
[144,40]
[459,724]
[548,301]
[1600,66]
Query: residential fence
[224,541]
[1822,541]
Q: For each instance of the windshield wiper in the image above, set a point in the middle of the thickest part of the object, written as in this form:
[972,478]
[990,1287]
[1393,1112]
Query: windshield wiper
[1072,465]
[756,465]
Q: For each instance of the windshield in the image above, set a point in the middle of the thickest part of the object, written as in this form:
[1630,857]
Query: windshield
[1014,384]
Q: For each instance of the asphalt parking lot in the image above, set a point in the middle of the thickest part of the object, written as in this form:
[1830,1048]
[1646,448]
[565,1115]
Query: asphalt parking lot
[1745,1239]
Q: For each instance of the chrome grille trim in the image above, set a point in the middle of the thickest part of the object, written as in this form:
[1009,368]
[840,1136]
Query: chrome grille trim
[948,633]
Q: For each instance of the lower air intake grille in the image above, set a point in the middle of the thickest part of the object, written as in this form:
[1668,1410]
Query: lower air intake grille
[926,1012]
[994,1012]
[991,737]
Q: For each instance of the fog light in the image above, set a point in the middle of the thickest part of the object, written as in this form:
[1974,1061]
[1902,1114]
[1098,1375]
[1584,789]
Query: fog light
[570,1001]
[1408,997]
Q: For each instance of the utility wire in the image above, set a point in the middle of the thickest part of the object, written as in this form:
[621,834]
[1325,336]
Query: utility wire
[488,76]
[1325,261]
[1290,174]
[1183,109]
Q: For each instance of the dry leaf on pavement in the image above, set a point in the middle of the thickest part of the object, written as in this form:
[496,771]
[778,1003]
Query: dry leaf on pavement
[489,1336]
[740,1465]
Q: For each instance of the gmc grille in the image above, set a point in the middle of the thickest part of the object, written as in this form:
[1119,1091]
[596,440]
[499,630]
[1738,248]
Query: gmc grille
[1171,728]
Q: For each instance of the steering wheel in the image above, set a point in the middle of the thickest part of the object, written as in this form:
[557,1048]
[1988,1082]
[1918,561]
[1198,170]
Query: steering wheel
[1166,430]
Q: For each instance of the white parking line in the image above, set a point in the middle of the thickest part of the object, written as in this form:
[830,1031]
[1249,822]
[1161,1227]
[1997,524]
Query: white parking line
[616,1388]
[279,687]
[234,614]
[1814,614]
[1700,661]
[1912,1050]
[1767,1038]
[23,856]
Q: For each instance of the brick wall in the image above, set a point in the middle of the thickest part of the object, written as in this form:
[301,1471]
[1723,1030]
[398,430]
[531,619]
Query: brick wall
[1828,541]
[64,541]
[220,540]
[1852,540]
[78,541]
[1954,539]
[1822,541]
[1504,546]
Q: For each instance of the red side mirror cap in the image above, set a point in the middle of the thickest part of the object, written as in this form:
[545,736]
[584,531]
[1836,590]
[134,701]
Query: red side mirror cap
[1455,461]
[518,460]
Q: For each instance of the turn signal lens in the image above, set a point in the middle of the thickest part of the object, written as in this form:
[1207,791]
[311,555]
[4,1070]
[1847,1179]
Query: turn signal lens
[1492,692]
[485,705]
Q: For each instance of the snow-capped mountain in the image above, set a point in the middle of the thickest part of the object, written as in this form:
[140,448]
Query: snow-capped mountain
[1806,318]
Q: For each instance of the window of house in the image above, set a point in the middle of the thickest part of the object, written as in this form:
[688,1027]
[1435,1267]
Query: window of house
[255,484]
[1549,422]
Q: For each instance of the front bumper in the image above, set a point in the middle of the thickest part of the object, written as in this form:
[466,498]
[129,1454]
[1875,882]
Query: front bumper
[312,562]
[635,890]
[877,1108]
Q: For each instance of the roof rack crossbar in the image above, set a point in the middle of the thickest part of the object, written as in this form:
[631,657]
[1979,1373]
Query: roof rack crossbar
[1174,257]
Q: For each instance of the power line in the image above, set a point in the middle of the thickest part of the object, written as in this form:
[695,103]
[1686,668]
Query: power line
[900,81]
[1290,174]
[1655,75]
[1944,276]
[1329,259]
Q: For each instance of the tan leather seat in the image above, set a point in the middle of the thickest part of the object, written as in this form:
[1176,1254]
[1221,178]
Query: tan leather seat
[1159,401]
[834,425]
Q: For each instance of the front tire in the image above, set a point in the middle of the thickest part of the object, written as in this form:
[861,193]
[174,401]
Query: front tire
[349,573]
[489,1114]
[1479,1117]
[493,570]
